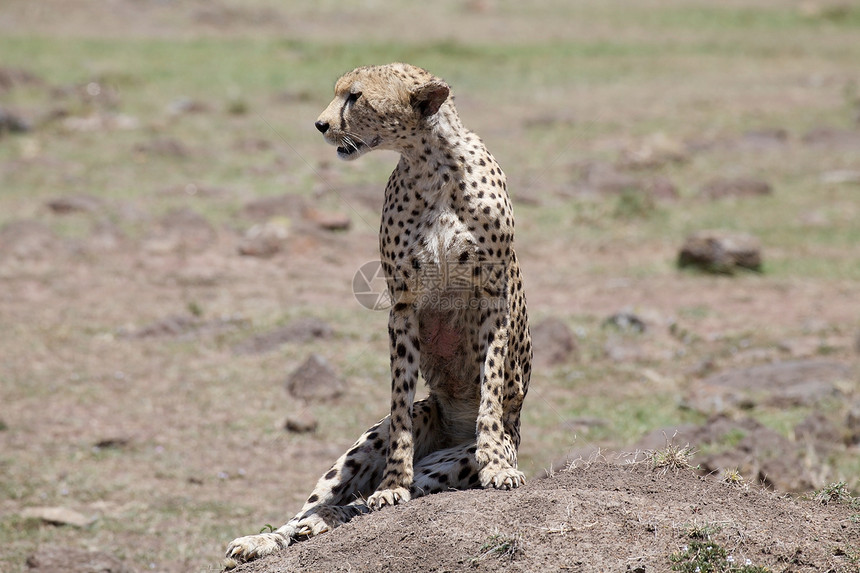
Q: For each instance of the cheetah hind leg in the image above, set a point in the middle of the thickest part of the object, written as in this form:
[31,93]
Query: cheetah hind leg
[320,519]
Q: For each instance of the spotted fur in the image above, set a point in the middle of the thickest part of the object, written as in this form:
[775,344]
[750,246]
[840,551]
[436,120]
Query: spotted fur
[459,314]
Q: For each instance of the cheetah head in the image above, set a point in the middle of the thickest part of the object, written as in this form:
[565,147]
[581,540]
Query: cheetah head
[381,107]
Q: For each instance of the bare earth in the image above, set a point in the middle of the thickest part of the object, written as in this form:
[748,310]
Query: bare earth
[173,256]
[598,517]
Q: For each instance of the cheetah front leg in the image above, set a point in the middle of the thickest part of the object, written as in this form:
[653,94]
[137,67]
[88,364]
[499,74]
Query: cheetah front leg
[497,469]
[397,478]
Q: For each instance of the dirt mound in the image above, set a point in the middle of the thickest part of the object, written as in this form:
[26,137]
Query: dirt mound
[597,517]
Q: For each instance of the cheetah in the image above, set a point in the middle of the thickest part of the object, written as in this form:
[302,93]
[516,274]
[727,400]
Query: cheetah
[458,313]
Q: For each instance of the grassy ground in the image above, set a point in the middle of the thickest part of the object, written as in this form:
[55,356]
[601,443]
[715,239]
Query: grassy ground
[550,88]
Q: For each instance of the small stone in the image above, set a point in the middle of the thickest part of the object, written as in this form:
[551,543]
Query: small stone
[735,187]
[57,516]
[718,251]
[328,221]
[264,240]
[302,422]
[654,151]
[112,443]
[12,123]
[625,321]
[553,342]
[73,560]
[279,206]
[165,146]
[315,379]
[185,105]
[75,203]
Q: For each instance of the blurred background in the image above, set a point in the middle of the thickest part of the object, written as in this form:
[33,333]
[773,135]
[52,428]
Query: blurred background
[181,352]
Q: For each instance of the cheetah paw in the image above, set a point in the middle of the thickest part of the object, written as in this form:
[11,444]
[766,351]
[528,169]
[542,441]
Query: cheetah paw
[506,478]
[384,497]
[324,519]
[252,547]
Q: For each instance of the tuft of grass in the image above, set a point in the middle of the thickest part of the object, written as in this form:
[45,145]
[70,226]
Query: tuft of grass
[733,477]
[502,546]
[837,492]
[703,532]
[672,457]
[709,557]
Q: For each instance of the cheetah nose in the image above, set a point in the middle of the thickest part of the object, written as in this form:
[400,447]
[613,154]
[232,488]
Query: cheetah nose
[322,126]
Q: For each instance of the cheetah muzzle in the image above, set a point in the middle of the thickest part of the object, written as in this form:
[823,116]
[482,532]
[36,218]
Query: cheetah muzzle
[459,315]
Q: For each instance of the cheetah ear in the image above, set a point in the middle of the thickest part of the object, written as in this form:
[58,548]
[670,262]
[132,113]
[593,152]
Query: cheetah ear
[428,98]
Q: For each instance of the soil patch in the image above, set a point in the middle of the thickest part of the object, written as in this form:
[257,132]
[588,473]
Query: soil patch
[597,517]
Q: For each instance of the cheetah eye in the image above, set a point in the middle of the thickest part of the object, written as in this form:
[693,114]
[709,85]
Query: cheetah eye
[353,97]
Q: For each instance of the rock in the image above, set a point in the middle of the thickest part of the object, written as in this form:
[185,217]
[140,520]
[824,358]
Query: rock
[164,146]
[783,384]
[264,240]
[12,123]
[184,105]
[26,239]
[625,321]
[112,443]
[75,203]
[553,343]
[298,331]
[73,560]
[723,252]
[723,187]
[57,516]
[328,221]
[287,205]
[654,151]
[302,422]
[315,379]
